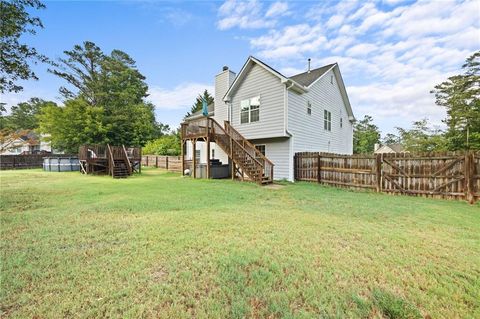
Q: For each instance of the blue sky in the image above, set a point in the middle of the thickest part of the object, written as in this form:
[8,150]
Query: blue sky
[391,53]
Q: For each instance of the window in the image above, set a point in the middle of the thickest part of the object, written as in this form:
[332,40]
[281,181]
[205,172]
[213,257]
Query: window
[213,153]
[331,79]
[250,110]
[260,148]
[341,122]
[327,120]
[309,108]
[197,155]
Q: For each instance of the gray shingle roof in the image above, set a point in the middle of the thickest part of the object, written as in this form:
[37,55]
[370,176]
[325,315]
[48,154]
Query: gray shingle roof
[307,78]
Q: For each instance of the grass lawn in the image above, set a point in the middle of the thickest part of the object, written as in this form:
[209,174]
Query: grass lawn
[159,245]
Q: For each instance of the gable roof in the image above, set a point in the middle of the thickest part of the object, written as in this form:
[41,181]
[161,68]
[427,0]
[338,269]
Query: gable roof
[307,78]
[246,67]
[391,148]
[299,82]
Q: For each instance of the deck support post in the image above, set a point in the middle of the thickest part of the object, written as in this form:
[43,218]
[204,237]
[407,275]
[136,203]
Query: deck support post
[183,157]
[208,148]
[194,158]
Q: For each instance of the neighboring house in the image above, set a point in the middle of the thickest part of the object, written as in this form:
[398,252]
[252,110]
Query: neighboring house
[281,115]
[389,148]
[25,143]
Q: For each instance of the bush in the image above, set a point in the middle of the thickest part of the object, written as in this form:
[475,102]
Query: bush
[165,145]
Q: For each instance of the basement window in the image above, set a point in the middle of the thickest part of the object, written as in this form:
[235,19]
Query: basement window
[327,120]
[250,110]
[309,108]
[261,148]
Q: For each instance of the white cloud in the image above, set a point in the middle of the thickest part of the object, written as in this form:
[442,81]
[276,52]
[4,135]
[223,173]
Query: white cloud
[244,15]
[277,9]
[391,55]
[179,97]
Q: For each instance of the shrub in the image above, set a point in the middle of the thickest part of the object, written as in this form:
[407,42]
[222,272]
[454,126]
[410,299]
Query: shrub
[165,145]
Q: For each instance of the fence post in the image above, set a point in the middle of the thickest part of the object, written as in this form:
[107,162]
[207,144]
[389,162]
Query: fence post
[318,168]
[295,167]
[378,171]
[469,172]
[166,162]
[156,161]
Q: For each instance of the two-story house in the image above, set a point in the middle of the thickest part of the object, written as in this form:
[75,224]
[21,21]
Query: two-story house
[277,115]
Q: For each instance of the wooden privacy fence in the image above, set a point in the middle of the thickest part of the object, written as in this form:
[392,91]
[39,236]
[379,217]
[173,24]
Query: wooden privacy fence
[442,175]
[23,161]
[171,163]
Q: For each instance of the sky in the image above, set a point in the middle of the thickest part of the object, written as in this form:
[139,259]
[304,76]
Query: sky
[391,53]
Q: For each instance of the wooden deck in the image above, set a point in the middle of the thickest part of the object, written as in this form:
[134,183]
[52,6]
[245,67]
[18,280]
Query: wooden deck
[247,163]
[116,161]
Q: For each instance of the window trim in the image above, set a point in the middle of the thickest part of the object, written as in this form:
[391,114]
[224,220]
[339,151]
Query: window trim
[249,112]
[264,148]
[327,120]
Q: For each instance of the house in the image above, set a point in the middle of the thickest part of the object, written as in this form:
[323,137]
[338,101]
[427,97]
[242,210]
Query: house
[24,142]
[268,117]
[389,148]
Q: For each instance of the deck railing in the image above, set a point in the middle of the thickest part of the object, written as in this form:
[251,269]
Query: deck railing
[87,152]
[196,128]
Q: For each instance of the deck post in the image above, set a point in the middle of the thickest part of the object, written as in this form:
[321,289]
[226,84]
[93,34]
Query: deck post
[194,158]
[231,158]
[183,157]
[208,148]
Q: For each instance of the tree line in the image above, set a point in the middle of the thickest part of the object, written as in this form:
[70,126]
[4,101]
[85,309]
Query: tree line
[104,99]
[104,96]
[459,95]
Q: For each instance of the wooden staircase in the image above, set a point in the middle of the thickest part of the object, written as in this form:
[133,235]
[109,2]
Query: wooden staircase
[248,162]
[119,163]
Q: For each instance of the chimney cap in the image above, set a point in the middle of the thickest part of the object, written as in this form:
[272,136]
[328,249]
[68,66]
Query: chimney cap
[225,68]
[308,70]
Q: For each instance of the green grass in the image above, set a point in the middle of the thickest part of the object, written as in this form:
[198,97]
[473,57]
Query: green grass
[162,246]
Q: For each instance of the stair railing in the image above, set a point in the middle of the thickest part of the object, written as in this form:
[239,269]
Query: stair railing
[111,160]
[127,160]
[238,153]
[266,163]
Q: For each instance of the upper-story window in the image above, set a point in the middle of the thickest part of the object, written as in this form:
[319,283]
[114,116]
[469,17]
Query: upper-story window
[250,110]
[309,108]
[327,120]
[341,122]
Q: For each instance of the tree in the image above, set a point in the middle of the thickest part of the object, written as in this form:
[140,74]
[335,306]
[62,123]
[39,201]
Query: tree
[15,56]
[165,145]
[460,95]
[108,87]
[25,115]
[198,105]
[365,136]
[74,124]
[390,138]
[422,138]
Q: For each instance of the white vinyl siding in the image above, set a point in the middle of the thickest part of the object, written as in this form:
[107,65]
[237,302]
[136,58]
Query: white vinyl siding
[258,82]
[308,130]
[278,151]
